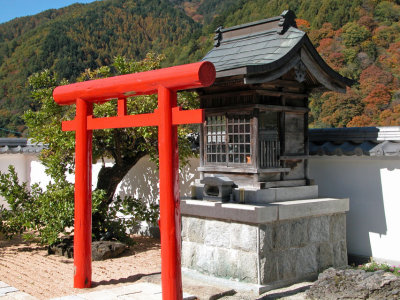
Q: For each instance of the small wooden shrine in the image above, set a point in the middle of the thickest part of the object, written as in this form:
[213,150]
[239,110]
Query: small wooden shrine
[256,129]
[261,221]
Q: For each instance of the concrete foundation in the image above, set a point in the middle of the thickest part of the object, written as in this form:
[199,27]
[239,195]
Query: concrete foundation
[270,245]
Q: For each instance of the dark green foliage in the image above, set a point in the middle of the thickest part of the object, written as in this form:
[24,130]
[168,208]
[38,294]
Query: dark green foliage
[61,53]
[317,12]
[115,227]
[70,40]
[387,12]
[46,214]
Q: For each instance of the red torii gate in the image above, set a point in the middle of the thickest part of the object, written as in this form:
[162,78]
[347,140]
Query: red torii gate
[166,82]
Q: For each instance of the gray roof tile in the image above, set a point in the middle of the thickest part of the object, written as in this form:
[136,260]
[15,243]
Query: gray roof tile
[358,141]
[253,49]
[257,48]
[19,145]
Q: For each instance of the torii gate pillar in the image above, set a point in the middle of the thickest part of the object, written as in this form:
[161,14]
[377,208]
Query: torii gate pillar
[166,82]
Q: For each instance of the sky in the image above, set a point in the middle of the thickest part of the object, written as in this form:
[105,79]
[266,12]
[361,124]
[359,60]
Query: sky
[10,9]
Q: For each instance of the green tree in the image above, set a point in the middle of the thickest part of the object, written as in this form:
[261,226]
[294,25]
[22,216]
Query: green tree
[124,146]
[387,12]
[354,34]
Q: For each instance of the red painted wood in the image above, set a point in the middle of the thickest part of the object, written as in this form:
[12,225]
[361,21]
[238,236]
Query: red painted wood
[122,107]
[167,116]
[122,122]
[83,198]
[169,199]
[175,78]
[114,122]
[179,117]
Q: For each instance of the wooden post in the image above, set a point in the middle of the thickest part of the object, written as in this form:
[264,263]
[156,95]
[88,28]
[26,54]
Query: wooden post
[83,198]
[170,226]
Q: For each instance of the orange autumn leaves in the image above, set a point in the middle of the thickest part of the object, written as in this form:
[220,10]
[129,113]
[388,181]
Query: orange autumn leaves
[368,51]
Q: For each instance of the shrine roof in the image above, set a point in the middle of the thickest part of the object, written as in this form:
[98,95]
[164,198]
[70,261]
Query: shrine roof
[356,141]
[265,50]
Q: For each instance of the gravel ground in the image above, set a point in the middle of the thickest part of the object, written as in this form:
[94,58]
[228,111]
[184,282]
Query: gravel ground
[29,268]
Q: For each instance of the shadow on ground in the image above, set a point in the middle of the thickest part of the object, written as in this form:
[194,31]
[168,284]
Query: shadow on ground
[283,294]
[20,245]
[142,244]
[129,279]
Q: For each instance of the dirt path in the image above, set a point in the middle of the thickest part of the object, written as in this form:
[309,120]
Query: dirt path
[30,269]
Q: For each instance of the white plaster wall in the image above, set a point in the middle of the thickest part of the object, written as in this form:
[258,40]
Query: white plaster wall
[37,173]
[20,162]
[142,180]
[22,165]
[373,185]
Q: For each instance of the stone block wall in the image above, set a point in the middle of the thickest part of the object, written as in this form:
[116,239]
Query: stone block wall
[274,252]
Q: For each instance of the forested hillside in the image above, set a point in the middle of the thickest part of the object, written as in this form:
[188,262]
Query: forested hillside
[358,38]
[68,41]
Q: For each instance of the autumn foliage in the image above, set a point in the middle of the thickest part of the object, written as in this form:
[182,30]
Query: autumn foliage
[303,24]
[366,50]
[360,39]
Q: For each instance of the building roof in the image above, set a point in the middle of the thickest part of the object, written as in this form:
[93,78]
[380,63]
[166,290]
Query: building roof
[265,50]
[354,141]
[19,145]
[357,141]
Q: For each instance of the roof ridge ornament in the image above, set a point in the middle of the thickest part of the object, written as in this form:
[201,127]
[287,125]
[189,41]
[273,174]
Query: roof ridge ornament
[218,36]
[288,19]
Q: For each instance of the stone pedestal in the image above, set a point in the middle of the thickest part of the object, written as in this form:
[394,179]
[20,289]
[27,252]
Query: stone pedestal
[254,195]
[270,245]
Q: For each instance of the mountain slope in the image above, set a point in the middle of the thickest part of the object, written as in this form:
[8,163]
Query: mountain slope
[70,40]
[358,38]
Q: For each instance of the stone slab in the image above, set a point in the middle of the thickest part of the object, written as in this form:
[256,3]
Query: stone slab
[256,214]
[312,207]
[248,213]
[264,213]
[6,290]
[250,289]
[277,194]
[18,296]
[221,282]
[200,208]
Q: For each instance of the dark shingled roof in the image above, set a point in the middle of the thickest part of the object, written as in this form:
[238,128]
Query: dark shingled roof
[19,145]
[358,141]
[265,50]
[254,49]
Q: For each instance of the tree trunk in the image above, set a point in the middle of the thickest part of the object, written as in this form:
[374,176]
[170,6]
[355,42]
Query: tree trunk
[110,177]
[108,180]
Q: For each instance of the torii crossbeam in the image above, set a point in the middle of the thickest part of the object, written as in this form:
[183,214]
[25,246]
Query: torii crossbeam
[166,82]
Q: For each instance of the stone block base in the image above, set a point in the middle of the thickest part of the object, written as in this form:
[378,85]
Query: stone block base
[271,245]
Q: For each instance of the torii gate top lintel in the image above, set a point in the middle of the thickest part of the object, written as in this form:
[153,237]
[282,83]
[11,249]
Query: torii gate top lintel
[176,78]
[166,82]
